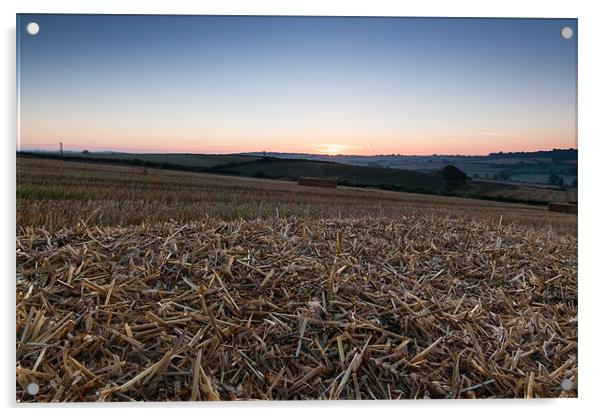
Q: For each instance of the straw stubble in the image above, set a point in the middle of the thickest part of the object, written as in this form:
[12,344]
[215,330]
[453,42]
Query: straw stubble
[296,308]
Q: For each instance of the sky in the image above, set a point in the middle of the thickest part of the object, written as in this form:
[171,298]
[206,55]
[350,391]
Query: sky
[327,85]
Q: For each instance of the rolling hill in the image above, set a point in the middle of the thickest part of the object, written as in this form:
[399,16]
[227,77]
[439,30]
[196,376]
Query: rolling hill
[385,178]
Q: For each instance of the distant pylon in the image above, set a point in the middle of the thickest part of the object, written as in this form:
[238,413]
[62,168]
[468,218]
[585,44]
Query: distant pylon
[61,149]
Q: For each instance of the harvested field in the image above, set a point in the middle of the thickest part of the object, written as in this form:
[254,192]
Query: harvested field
[412,307]
[180,286]
[55,194]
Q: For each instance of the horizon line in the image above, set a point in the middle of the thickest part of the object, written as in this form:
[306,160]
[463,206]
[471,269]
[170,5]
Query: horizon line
[296,153]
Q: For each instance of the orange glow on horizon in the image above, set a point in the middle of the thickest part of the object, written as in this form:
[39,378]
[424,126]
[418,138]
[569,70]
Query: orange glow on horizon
[332,149]
[423,146]
[473,143]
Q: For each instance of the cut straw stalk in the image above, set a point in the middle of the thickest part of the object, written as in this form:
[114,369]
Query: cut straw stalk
[205,383]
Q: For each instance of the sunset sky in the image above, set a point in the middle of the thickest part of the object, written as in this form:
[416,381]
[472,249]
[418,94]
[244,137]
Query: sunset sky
[218,84]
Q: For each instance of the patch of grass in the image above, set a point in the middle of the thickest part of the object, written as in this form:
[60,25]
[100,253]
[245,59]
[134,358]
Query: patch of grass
[24,192]
[53,193]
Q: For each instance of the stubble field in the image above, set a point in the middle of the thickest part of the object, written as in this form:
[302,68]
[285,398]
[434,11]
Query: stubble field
[159,285]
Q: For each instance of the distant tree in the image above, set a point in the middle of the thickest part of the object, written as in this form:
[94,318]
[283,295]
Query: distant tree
[556,180]
[453,175]
[574,183]
[476,176]
[85,152]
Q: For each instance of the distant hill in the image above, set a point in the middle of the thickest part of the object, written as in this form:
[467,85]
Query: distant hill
[376,176]
[194,161]
[530,168]
[392,179]
[554,154]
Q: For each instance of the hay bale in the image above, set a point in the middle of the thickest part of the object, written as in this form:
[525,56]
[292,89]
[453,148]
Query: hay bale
[563,207]
[319,182]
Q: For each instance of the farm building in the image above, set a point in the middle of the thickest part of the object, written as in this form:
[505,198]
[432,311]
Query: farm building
[320,182]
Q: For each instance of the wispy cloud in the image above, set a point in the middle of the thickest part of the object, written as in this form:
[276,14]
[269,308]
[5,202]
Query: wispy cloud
[498,134]
[443,139]
[454,138]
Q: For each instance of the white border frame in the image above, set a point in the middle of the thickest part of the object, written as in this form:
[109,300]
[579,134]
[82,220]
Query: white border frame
[590,150]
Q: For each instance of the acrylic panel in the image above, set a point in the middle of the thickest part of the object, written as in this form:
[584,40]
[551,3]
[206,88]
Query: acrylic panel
[295,208]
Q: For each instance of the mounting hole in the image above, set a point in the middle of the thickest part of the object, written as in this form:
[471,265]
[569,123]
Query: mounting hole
[566,384]
[33,389]
[33,28]
[566,32]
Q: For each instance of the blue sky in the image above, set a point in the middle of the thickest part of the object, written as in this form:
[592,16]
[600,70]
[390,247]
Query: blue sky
[297,84]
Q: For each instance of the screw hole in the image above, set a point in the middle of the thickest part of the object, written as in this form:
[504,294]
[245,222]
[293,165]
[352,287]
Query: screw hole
[566,32]
[33,389]
[33,28]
